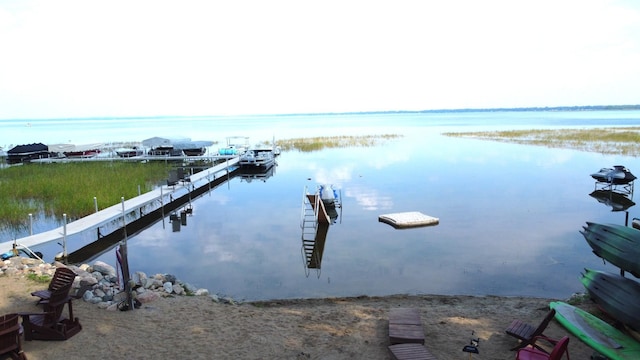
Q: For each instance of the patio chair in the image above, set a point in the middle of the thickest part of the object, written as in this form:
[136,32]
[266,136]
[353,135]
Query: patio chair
[560,347]
[51,324]
[11,337]
[61,277]
[526,332]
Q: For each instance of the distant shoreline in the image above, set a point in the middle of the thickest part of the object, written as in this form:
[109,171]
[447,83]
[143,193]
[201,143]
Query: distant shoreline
[465,110]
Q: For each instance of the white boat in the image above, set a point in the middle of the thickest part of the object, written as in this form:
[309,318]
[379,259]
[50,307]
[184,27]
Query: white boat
[193,148]
[258,157]
[159,146]
[129,152]
[84,151]
[236,145]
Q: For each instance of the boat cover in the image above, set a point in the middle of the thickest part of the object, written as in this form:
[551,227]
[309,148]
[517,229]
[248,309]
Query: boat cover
[28,148]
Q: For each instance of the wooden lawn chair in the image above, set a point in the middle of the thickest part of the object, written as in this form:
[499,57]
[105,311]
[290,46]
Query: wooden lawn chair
[11,337]
[526,332]
[51,324]
[62,277]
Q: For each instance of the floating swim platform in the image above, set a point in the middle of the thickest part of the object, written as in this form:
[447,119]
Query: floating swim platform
[408,219]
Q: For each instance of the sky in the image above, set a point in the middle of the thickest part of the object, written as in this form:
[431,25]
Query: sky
[66,59]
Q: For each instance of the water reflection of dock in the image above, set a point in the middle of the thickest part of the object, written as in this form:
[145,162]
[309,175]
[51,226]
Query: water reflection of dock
[317,215]
[144,204]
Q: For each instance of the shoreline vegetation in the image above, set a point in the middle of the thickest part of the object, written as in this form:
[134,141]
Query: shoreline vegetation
[607,141]
[53,189]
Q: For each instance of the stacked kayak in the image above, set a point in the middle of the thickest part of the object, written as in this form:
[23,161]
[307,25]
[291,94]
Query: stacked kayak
[617,244]
[615,294]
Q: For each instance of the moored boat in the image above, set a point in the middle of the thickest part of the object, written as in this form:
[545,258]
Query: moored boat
[257,157]
[236,145]
[159,146]
[83,151]
[129,152]
[615,294]
[27,152]
[193,148]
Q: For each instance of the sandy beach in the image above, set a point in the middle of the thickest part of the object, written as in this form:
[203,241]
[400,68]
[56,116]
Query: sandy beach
[195,327]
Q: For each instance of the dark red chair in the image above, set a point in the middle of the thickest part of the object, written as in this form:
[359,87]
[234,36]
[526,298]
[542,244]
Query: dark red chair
[526,332]
[51,324]
[61,277]
[11,337]
[560,347]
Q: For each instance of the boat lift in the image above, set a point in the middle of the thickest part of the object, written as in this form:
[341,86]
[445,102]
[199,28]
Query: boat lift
[624,189]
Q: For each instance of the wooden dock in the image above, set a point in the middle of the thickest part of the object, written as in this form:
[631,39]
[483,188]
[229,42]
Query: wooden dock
[162,195]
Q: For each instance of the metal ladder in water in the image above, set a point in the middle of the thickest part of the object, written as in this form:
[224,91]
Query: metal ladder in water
[309,226]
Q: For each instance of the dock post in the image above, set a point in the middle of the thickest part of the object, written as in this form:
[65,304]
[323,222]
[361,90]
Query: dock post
[64,237]
[95,203]
[124,221]
[227,169]
[30,224]
[126,276]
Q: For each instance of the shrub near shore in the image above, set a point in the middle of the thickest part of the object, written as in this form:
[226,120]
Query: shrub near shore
[54,189]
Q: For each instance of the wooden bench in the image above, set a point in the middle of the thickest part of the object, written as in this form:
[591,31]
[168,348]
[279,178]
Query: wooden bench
[410,352]
[405,326]
[406,335]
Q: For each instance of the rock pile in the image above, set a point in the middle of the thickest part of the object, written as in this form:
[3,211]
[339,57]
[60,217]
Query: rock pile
[101,284]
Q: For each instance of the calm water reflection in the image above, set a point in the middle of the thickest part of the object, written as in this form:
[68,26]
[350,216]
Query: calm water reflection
[509,216]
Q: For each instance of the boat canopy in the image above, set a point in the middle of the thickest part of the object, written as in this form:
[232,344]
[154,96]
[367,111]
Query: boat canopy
[60,148]
[191,144]
[163,142]
[28,149]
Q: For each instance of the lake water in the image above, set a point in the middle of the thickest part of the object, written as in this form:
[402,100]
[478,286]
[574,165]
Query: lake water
[509,214]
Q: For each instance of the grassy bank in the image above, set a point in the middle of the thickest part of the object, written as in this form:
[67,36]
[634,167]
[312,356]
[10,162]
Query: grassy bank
[54,189]
[612,141]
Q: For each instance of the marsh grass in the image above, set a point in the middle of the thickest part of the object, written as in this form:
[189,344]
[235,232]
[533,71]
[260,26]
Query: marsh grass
[54,189]
[612,141]
[319,143]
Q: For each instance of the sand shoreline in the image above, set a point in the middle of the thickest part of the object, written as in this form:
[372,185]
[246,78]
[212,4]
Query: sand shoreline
[195,327]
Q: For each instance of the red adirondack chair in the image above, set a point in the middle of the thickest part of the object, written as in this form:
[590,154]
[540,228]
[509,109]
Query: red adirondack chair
[532,353]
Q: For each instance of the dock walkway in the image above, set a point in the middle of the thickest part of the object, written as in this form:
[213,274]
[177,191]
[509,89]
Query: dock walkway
[114,212]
